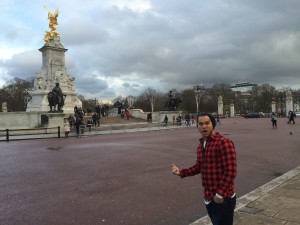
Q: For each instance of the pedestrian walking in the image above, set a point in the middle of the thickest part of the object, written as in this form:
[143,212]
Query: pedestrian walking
[94,118]
[193,119]
[127,114]
[66,127]
[165,122]
[274,120]
[291,116]
[216,162]
[78,124]
[187,119]
[218,121]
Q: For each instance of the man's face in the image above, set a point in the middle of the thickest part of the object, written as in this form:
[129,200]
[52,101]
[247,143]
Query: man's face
[205,126]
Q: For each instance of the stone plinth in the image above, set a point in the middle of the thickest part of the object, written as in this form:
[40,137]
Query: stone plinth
[4,106]
[28,120]
[140,114]
[231,110]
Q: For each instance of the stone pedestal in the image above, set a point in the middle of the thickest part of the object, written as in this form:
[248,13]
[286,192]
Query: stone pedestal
[4,106]
[53,71]
[29,120]
[52,119]
[273,106]
[232,110]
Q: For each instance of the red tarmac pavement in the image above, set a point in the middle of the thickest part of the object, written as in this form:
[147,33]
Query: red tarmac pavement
[126,179]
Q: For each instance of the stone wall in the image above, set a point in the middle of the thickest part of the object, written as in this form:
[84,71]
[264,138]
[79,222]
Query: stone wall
[25,120]
[156,116]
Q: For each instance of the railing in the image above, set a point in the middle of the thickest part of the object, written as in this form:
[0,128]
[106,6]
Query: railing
[21,134]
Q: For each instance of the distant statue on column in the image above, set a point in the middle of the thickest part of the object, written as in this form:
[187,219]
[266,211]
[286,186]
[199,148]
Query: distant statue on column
[220,105]
[273,105]
[4,106]
[232,113]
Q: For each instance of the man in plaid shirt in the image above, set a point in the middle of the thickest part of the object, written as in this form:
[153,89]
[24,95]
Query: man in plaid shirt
[216,162]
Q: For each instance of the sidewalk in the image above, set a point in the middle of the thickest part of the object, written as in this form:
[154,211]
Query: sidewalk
[277,202]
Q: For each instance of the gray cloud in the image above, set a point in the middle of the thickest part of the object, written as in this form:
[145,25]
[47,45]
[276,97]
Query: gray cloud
[90,85]
[174,44]
[24,65]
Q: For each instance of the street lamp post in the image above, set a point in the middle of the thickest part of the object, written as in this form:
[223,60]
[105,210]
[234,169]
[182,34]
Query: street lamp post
[198,89]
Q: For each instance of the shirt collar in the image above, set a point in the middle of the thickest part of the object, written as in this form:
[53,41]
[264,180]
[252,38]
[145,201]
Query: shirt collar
[211,137]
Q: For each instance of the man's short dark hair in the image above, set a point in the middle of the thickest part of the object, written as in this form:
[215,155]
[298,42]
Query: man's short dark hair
[211,117]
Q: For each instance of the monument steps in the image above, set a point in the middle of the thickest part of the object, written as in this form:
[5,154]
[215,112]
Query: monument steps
[115,120]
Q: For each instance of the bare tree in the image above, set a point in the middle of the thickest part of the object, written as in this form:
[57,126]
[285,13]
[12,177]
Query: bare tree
[16,94]
[188,100]
[263,95]
[118,99]
[150,94]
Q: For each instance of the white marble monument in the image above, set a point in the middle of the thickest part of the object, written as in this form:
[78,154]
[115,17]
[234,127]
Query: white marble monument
[53,71]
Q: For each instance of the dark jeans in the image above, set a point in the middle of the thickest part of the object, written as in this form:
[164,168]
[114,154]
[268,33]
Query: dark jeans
[274,123]
[222,213]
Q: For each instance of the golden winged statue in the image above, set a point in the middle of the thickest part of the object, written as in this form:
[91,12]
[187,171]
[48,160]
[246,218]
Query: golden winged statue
[51,35]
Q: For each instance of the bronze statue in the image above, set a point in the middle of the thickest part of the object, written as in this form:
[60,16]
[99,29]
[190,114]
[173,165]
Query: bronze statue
[172,103]
[56,98]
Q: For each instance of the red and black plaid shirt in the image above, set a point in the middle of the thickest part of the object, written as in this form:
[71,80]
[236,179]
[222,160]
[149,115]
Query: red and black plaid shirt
[217,165]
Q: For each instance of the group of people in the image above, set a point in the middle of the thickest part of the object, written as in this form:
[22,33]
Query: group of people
[176,120]
[102,111]
[189,120]
[125,114]
[291,118]
[96,119]
[76,121]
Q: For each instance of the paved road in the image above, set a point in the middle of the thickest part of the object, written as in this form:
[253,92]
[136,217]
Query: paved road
[126,179]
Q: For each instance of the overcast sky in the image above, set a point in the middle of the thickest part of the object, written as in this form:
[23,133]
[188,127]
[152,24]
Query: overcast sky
[120,47]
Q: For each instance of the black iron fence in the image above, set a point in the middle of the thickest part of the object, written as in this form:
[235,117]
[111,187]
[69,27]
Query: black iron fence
[21,134]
